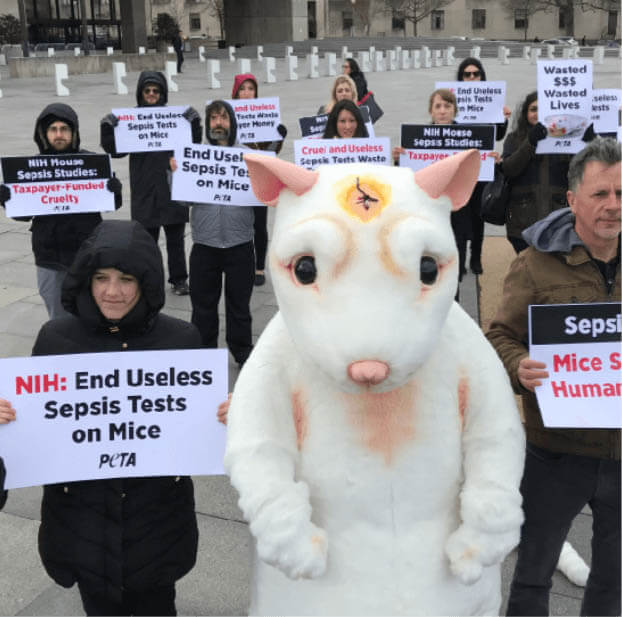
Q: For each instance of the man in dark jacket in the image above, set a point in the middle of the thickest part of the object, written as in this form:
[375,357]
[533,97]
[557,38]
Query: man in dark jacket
[573,257]
[150,180]
[178,46]
[56,238]
[125,541]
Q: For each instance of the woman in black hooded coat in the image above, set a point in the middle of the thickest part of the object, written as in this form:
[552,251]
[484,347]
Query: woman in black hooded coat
[125,541]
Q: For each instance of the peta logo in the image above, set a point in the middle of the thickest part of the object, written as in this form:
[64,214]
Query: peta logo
[118,459]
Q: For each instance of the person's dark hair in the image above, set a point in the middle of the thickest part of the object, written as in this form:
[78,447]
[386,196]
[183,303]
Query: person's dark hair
[331,125]
[214,107]
[466,62]
[521,126]
[354,66]
[601,150]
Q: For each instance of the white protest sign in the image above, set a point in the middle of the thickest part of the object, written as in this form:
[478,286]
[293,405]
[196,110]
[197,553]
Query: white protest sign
[145,129]
[580,345]
[564,104]
[112,415]
[57,184]
[213,175]
[606,104]
[257,119]
[311,153]
[478,101]
[428,143]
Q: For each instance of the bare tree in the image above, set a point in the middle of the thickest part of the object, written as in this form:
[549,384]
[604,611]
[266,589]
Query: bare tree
[415,10]
[216,8]
[526,9]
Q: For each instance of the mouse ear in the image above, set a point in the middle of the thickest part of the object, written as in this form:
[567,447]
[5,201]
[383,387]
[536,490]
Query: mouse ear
[454,177]
[270,175]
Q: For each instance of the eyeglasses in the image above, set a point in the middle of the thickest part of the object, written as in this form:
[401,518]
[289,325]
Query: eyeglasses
[151,90]
[471,73]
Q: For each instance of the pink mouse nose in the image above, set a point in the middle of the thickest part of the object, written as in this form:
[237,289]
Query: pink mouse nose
[368,372]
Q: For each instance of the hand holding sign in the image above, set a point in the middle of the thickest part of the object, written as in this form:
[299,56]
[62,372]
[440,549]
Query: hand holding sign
[531,372]
[7,413]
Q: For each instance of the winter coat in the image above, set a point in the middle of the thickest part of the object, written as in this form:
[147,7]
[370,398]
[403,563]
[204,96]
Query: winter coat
[217,225]
[555,269]
[149,171]
[538,183]
[361,85]
[124,533]
[56,238]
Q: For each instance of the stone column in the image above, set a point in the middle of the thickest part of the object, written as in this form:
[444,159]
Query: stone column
[133,27]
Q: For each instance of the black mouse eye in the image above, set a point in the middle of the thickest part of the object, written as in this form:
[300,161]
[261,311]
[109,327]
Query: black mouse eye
[428,270]
[305,271]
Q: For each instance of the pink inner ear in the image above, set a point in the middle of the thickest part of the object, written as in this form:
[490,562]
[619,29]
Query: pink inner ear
[454,176]
[270,175]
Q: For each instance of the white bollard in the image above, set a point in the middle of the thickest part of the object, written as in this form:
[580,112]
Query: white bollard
[141,51]
[405,60]
[526,52]
[599,54]
[313,66]
[416,57]
[213,69]
[566,53]
[260,53]
[331,63]
[398,51]
[118,73]
[292,65]
[438,57]
[109,51]
[1,89]
[391,60]
[503,54]
[61,73]
[2,60]
[50,52]
[201,53]
[426,57]
[171,70]
[536,52]
[76,51]
[378,61]
[372,53]
[345,53]
[270,66]
[475,52]
[450,59]
[363,60]
[245,65]
[550,52]
[231,53]
[289,50]
[314,50]
[574,52]
[170,49]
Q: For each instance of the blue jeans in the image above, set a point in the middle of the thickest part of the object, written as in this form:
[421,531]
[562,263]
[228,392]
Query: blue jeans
[555,488]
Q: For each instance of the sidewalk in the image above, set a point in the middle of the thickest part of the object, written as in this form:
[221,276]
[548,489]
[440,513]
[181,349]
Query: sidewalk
[219,584]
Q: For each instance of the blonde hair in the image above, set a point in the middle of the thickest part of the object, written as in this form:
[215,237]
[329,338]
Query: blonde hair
[342,79]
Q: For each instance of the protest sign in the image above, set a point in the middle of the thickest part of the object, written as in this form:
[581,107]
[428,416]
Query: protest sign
[428,143]
[57,184]
[112,415]
[213,175]
[310,154]
[564,104]
[313,126]
[606,104]
[257,119]
[480,102]
[150,129]
[580,345]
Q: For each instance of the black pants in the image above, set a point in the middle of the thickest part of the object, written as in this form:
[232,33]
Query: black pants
[207,267]
[518,244]
[477,236]
[180,59]
[261,236]
[175,250]
[555,488]
[156,601]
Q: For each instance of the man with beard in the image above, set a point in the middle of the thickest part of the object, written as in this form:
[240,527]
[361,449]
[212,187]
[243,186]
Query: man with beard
[150,180]
[56,238]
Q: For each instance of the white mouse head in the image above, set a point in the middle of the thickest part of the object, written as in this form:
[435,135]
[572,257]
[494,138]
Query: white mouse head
[363,261]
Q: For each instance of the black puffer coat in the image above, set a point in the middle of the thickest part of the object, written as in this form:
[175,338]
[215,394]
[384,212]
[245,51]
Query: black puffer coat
[149,171]
[131,533]
[56,238]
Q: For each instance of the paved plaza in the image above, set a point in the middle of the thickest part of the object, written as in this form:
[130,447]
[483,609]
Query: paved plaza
[219,583]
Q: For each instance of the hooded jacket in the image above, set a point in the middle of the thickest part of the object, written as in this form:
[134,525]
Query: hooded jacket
[216,225]
[150,172]
[555,269]
[56,238]
[124,533]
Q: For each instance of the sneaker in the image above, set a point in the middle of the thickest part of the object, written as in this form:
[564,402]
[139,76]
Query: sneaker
[180,289]
[260,279]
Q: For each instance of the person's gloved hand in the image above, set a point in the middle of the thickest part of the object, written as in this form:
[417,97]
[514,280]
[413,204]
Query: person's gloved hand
[589,134]
[110,119]
[192,115]
[114,185]
[282,129]
[536,133]
[5,194]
